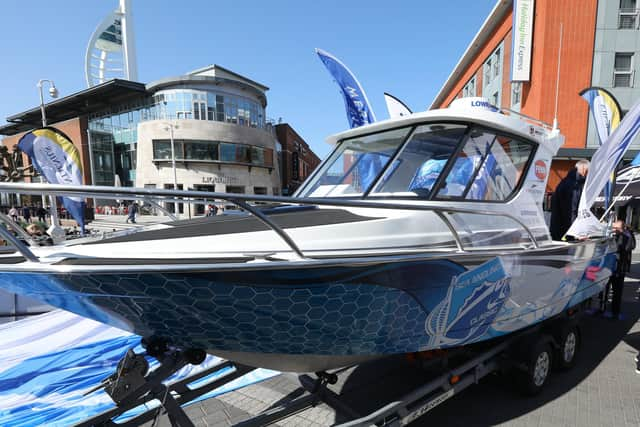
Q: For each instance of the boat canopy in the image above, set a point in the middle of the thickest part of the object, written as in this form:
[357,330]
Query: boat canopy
[433,161]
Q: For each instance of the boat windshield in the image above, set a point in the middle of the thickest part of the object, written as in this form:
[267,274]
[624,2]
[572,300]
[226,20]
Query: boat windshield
[436,160]
[355,164]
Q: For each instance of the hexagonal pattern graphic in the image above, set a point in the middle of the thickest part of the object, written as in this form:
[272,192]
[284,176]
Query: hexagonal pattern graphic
[349,310]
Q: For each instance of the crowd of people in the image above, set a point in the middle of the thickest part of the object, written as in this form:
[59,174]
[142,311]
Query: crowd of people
[29,213]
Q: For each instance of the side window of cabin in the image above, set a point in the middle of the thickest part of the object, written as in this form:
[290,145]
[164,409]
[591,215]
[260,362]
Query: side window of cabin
[501,170]
[422,160]
[467,163]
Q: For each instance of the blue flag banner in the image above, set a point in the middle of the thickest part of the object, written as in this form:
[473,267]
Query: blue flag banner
[606,114]
[56,158]
[359,111]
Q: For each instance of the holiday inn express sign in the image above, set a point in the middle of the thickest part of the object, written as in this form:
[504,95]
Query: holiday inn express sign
[522,35]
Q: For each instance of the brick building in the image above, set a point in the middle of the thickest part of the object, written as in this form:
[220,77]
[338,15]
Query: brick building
[600,46]
[297,160]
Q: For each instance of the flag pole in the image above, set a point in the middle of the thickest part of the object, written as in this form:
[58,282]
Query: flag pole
[555,112]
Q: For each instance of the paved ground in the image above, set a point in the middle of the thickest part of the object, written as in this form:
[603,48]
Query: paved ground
[118,222]
[602,389]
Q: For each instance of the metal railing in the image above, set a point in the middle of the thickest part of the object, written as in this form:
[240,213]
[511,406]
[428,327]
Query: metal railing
[242,201]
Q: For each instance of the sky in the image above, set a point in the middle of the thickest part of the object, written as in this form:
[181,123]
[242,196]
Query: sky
[406,48]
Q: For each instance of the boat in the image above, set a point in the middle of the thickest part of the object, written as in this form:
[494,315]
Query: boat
[416,233]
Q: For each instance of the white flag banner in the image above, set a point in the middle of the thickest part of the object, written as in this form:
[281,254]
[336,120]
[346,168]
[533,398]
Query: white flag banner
[603,162]
[395,107]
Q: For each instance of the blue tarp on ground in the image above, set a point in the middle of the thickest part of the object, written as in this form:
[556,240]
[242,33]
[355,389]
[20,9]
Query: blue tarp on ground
[48,363]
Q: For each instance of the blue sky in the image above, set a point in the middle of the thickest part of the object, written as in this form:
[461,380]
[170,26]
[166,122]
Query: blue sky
[407,48]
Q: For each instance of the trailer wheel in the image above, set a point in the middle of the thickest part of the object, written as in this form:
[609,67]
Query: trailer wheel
[569,344]
[538,366]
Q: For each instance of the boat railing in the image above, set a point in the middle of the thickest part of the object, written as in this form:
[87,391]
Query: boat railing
[532,120]
[158,196]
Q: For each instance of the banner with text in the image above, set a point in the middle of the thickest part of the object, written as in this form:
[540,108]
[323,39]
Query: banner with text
[56,158]
[523,11]
[606,114]
[359,111]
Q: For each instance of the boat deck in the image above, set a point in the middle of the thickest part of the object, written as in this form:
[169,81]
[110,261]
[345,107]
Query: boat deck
[602,389]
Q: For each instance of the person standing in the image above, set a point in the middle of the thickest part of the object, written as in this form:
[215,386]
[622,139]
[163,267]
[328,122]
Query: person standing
[133,210]
[623,245]
[13,213]
[566,198]
[26,214]
[632,245]
[41,213]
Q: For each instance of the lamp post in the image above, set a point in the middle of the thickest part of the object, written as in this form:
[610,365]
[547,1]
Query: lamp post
[53,92]
[171,127]
[55,229]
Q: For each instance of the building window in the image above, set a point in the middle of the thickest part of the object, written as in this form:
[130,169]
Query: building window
[260,190]
[235,189]
[203,105]
[200,150]
[257,156]
[487,72]
[628,15]
[162,149]
[516,93]
[623,70]
[243,154]
[492,75]
[470,88]
[212,151]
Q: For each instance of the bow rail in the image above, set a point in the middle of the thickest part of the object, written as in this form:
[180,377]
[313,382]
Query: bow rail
[157,196]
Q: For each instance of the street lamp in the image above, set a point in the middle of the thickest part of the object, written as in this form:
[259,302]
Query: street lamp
[54,231]
[171,127]
[53,92]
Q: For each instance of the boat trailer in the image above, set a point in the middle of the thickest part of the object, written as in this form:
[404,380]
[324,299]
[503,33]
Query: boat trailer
[132,385]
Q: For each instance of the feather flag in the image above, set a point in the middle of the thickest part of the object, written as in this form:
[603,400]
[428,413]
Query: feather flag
[359,111]
[603,163]
[606,114]
[395,107]
[56,158]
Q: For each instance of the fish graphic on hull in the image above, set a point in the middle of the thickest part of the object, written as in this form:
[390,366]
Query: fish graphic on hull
[473,301]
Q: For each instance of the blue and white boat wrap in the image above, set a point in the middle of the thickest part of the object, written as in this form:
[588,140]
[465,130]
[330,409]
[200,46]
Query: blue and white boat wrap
[416,233]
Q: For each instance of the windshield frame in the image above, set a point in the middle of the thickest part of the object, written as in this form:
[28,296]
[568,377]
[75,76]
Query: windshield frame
[337,152]
[441,180]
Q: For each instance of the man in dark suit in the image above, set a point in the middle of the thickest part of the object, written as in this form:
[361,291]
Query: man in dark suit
[566,198]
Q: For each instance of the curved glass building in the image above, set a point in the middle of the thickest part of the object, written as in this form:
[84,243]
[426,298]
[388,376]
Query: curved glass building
[213,118]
